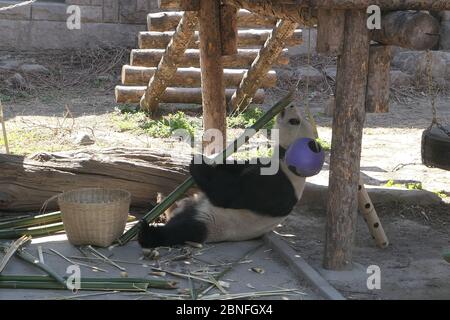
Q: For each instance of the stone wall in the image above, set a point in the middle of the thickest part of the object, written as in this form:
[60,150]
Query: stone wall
[42,25]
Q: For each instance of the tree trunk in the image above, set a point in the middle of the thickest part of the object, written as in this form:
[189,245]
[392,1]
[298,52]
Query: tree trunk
[244,58]
[228,30]
[348,122]
[330,31]
[407,29]
[262,64]
[246,39]
[379,79]
[133,94]
[168,21]
[213,89]
[26,183]
[190,77]
[168,65]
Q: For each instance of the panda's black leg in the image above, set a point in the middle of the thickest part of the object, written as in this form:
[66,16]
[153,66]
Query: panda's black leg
[181,228]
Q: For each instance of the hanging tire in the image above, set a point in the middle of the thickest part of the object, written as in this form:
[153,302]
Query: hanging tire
[436,148]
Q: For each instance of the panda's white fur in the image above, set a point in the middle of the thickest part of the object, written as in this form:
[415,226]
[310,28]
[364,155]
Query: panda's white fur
[210,223]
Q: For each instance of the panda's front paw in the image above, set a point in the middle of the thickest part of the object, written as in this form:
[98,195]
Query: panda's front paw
[145,235]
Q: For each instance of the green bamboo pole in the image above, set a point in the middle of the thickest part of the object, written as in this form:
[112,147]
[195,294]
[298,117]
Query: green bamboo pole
[40,231]
[188,183]
[86,283]
[42,219]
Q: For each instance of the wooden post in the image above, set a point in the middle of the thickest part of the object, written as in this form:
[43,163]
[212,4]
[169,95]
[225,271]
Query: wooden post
[379,79]
[2,121]
[185,5]
[267,56]
[167,67]
[330,31]
[346,142]
[228,29]
[213,90]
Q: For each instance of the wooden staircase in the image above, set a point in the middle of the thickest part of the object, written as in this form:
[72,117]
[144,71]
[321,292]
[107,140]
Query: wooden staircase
[185,86]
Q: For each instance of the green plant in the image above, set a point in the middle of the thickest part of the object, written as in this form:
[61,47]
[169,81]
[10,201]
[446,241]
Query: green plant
[408,185]
[248,118]
[326,146]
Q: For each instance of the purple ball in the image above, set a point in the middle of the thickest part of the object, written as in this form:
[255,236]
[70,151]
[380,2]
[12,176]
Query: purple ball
[305,157]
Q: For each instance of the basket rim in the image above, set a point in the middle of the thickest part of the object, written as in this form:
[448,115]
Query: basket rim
[126,196]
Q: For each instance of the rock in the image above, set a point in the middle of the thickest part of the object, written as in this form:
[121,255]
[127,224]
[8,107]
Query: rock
[302,73]
[84,139]
[9,65]
[444,42]
[415,63]
[34,69]
[16,81]
[400,79]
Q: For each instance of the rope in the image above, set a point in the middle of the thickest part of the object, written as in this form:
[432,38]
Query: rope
[17,5]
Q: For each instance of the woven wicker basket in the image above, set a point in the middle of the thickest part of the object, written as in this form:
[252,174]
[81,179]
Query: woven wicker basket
[94,216]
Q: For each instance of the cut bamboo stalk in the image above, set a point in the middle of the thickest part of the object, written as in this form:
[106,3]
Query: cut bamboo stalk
[245,39]
[133,94]
[266,57]
[370,215]
[190,77]
[168,21]
[168,65]
[159,209]
[42,219]
[191,58]
[5,136]
[41,231]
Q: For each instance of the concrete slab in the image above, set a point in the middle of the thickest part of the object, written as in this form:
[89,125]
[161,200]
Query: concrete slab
[211,258]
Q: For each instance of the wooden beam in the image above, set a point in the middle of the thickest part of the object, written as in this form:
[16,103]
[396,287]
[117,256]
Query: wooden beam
[244,58]
[348,122]
[273,5]
[213,89]
[246,39]
[408,29]
[228,30]
[168,21]
[330,31]
[298,14]
[190,77]
[133,94]
[379,79]
[262,64]
[185,5]
[168,65]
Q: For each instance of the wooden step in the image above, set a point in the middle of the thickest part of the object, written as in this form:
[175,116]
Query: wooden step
[168,21]
[246,39]
[242,60]
[133,94]
[190,77]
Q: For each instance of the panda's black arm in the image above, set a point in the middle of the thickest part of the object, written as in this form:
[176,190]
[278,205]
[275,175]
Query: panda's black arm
[220,183]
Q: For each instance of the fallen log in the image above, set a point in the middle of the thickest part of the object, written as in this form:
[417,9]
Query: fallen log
[190,77]
[408,29]
[133,94]
[246,39]
[168,21]
[26,183]
[186,5]
[244,58]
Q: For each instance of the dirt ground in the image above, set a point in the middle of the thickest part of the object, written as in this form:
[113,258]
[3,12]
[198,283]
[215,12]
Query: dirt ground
[77,96]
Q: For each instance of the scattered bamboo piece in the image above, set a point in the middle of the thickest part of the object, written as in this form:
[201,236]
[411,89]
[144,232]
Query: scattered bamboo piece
[40,255]
[11,250]
[77,263]
[40,231]
[5,136]
[256,294]
[105,258]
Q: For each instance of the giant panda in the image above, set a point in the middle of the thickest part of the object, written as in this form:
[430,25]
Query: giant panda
[236,202]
